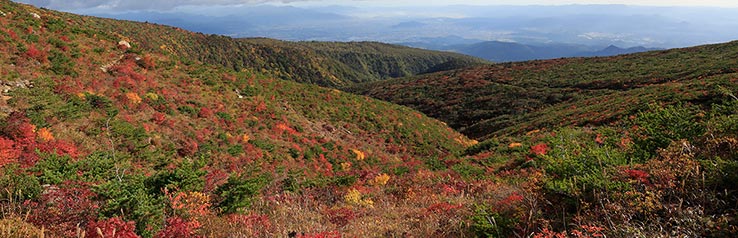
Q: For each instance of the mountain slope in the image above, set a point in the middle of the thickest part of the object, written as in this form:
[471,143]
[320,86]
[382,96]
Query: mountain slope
[98,139]
[513,97]
[131,134]
[325,64]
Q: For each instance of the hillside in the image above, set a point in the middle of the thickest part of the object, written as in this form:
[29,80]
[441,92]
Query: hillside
[640,145]
[102,138]
[516,97]
[130,134]
[333,64]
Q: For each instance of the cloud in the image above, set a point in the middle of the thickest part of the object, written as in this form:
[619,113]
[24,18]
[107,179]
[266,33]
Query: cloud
[139,4]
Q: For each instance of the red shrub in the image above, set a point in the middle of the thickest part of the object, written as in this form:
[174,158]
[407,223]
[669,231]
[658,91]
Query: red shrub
[340,216]
[510,200]
[34,53]
[442,208]
[12,34]
[62,209]
[638,175]
[19,128]
[260,107]
[178,228]
[158,118]
[214,179]
[60,147]
[539,149]
[189,147]
[324,166]
[8,151]
[205,112]
[112,227]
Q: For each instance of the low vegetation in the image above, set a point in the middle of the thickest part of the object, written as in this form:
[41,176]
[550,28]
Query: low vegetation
[103,138]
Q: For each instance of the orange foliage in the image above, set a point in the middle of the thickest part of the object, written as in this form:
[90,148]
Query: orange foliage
[359,155]
[195,204]
[44,135]
[133,98]
[245,138]
[514,145]
[599,139]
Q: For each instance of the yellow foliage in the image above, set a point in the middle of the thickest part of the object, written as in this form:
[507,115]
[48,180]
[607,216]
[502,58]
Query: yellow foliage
[465,141]
[45,135]
[359,155]
[514,145]
[353,197]
[346,166]
[381,179]
[245,138]
[133,98]
[152,96]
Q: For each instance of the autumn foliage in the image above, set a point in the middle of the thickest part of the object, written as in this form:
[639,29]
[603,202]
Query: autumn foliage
[149,141]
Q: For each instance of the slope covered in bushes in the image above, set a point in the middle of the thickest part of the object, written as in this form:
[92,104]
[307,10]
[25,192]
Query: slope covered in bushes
[145,141]
[517,97]
[331,64]
[102,139]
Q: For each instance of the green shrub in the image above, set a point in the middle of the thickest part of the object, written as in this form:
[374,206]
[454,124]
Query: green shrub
[238,193]
[187,110]
[468,171]
[487,223]
[186,176]
[659,126]
[61,64]
[55,169]
[128,196]
[17,185]
[575,164]
[235,150]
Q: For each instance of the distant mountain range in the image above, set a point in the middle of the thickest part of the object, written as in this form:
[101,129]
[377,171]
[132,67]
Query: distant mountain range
[589,25]
[499,51]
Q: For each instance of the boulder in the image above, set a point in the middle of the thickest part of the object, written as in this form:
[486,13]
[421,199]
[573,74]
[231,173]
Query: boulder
[124,44]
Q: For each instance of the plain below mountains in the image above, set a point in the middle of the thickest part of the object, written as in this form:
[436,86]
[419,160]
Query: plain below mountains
[500,51]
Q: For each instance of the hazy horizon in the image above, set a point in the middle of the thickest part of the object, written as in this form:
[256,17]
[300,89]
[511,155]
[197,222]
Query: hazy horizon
[144,5]
[439,25]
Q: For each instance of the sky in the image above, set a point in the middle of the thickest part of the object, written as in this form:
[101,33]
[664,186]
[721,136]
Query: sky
[128,5]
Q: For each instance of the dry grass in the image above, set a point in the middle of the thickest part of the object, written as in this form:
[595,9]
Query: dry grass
[17,228]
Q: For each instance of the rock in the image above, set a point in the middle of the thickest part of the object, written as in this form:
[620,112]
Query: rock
[124,45]
[35,15]
[2,13]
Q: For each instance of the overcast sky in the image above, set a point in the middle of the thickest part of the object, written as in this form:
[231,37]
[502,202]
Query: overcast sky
[118,5]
